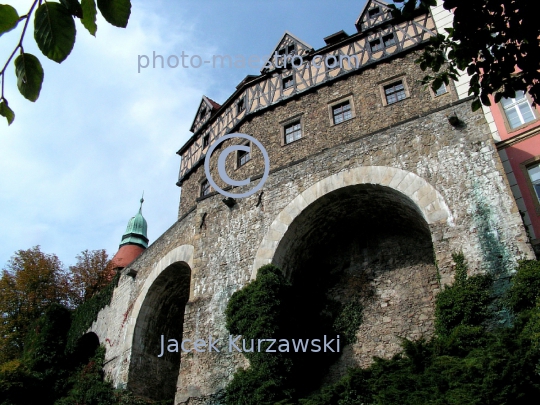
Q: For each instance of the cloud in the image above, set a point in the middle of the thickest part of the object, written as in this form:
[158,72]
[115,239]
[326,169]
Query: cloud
[75,163]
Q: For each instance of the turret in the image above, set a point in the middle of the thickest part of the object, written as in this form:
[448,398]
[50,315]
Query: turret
[134,241]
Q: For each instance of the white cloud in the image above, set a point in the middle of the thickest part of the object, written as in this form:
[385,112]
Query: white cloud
[75,163]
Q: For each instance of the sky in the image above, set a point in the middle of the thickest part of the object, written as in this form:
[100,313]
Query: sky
[75,163]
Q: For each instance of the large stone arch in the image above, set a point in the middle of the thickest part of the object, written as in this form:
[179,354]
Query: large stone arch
[426,199]
[365,235]
[159,310]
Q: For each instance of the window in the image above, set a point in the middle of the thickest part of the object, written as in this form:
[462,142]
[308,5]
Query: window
[293,132]
[374,11]
[394,92]
[205,188]
[342,112]
[376,45]
[534,175]
[241,106]
[288,82]
[441,90]
[205,141]
[203,113]
[389,40]
[286,50]
[518,110]
[242,158]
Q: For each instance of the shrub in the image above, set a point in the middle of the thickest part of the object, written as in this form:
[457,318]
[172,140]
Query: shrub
[88,386]
[466,302]
[525,290]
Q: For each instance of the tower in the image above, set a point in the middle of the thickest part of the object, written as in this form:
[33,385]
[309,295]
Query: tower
[134,241]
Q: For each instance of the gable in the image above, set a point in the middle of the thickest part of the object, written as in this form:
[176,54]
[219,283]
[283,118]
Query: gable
[207,107]
[375,12]
[287,45]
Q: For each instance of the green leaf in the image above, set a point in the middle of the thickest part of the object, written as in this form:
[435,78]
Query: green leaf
[7,112]
[437,83]
[8,18]
[73,7]
[476,104]
[116,12]
[54,31]
[89,16]
[29,75]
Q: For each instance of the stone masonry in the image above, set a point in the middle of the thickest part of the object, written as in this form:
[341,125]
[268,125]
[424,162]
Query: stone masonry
[385,198]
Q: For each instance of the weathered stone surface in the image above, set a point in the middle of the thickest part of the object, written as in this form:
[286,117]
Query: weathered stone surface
[418,185]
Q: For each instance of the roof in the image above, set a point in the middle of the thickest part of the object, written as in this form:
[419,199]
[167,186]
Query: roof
[136,231]
[369,5]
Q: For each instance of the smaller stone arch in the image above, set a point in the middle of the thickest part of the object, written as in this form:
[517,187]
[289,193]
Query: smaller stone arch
[182,253]
[165,291]
[427,200]
[85,348]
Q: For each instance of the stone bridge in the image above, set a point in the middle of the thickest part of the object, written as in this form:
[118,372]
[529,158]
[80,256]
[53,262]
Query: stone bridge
[382,197]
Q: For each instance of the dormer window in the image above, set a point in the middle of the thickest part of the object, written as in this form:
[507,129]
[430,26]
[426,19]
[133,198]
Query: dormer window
[285,54]
[389,40]
[376,45]
[287,50]
[374,11]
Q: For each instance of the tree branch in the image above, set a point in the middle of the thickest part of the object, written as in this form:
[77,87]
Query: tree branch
[19,45]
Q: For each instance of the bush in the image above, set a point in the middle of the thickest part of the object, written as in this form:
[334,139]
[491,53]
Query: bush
[88,386]
[465,303]
[525,290]
[465,363]
[257,310]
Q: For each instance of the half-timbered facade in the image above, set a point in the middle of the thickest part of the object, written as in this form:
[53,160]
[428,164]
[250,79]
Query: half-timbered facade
[379,37]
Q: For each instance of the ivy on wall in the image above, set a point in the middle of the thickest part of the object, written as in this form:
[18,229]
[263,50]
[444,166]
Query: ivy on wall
[468,361]
[271,307]
[86,313]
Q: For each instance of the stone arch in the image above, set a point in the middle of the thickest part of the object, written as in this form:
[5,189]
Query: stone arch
[159,310]
[427,201]
[364,236]
[85,348]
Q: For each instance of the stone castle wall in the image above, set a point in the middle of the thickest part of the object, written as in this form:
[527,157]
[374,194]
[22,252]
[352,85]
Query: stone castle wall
[392,172]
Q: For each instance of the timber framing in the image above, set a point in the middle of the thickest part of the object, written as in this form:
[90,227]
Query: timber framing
[353,54]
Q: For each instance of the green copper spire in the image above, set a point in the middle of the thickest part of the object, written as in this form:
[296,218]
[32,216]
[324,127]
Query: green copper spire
[136,230]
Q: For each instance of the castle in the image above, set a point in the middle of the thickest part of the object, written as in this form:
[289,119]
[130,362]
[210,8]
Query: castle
[372,175]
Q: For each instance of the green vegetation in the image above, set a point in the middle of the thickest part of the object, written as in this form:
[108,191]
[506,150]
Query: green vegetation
[271,307]
[468,361]
[55,364]
[495,42]
[46,357]
[54,32]
[86,313]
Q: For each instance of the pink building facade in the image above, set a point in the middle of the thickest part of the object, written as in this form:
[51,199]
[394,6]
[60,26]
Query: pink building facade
[518,143]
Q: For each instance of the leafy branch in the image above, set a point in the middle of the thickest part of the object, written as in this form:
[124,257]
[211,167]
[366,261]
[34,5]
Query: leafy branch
[495,42]
[54,33]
